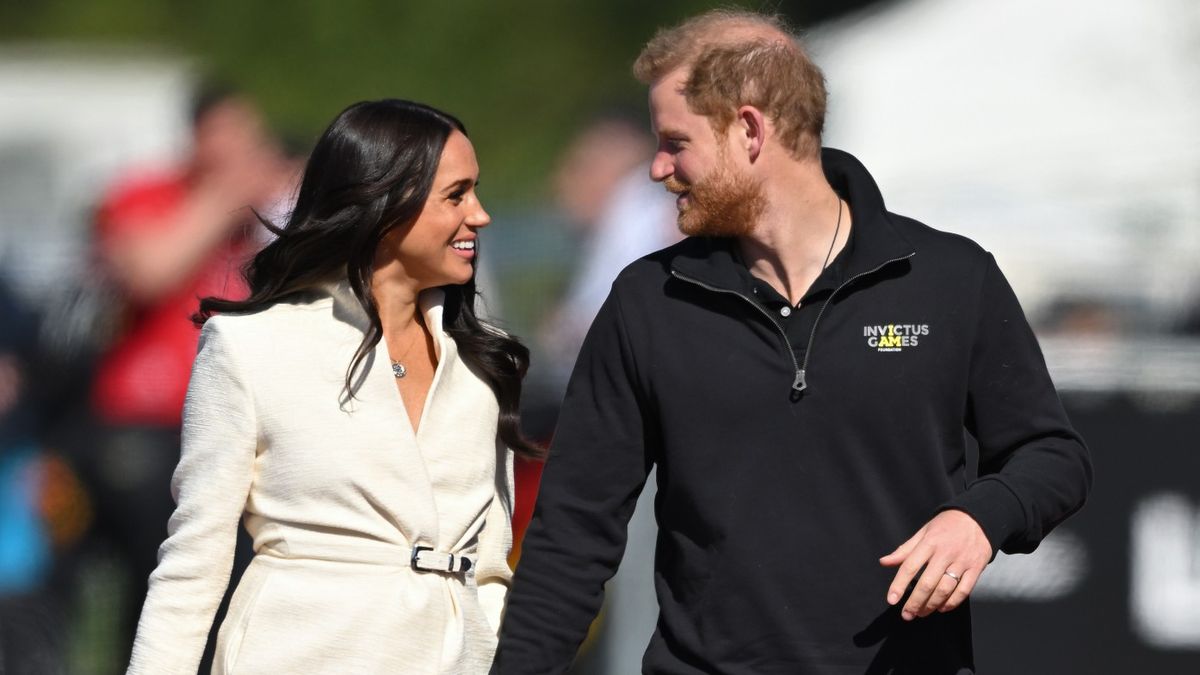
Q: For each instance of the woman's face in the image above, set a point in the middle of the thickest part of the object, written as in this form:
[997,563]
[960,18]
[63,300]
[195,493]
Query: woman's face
[439,245]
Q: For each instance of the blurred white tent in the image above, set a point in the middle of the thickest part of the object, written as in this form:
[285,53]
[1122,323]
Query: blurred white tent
[1062,135]
[70,119]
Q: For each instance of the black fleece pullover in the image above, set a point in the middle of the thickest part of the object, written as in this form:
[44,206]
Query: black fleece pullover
[790,460]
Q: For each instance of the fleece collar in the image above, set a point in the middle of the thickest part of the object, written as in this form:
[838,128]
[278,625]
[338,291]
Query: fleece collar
[713,261]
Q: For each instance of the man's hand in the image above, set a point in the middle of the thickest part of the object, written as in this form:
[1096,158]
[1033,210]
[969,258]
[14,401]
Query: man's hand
[953,550]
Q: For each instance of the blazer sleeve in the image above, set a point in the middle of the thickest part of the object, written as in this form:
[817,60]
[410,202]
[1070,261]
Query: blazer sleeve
[210,487]
[493,575]
[1034,469]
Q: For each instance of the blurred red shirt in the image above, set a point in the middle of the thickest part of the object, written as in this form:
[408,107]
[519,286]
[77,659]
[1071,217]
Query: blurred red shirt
[142,378]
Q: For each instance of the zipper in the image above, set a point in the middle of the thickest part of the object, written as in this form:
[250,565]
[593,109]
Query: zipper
[787,346]
[799,382]
[813,335]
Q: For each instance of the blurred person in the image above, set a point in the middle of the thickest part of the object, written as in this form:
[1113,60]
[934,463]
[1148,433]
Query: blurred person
[602,187]
[800,370]
[288,167]
[31,618]
[165,238]
[359,419]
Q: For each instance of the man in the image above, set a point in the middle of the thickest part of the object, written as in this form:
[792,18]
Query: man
[801,371]
[601,187]
[164,239]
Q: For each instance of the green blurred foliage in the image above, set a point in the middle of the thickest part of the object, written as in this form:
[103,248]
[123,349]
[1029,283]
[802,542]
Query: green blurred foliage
[520,75]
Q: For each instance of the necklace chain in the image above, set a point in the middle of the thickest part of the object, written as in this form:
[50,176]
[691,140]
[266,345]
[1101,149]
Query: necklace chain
[398,368]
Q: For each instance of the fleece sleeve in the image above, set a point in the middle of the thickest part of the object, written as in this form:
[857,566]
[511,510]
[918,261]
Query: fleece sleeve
[597,466]
[1034,469]
[210,487]
[493,575]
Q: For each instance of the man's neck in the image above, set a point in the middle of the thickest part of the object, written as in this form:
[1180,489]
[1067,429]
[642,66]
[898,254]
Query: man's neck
[795,239]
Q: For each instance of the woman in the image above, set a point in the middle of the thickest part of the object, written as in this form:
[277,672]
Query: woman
[357,416]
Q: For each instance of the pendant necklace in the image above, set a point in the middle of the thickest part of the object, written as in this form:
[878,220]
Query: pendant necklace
[398,368]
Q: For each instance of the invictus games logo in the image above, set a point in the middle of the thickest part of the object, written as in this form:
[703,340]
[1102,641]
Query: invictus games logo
[894,337]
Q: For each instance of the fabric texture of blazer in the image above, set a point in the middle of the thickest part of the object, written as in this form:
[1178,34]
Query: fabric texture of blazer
[335,492]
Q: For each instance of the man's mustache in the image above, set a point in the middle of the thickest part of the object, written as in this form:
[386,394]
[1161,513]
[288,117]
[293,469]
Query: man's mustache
[675,186]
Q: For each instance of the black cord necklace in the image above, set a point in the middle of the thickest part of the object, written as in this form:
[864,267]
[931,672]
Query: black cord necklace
[836,229]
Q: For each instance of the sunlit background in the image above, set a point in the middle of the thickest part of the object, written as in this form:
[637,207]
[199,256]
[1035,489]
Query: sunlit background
[1062,135]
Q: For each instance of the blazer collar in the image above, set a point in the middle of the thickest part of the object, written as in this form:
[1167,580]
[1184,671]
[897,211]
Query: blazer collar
[348,310]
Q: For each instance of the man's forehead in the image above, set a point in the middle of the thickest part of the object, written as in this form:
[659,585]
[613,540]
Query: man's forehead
[668,89]
[668,107]
[663,114]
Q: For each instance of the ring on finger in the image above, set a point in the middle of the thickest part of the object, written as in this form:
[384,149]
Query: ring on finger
[953,576]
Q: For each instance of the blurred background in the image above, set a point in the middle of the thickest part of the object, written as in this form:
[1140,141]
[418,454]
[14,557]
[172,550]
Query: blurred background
[1062,135]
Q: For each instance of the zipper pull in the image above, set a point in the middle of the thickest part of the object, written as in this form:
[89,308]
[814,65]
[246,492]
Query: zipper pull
[799,384]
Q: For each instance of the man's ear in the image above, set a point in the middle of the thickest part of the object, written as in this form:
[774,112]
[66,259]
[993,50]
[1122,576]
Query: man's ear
[751,130]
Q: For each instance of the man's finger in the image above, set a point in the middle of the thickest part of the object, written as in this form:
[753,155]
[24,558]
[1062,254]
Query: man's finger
[912,564]
[941,593]
[902,551]
[922,590]
[962,591]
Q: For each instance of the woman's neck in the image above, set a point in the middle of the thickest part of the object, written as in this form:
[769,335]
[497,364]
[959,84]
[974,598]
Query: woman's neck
[396,300]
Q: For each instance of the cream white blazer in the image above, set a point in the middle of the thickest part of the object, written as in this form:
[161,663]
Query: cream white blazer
[336,493]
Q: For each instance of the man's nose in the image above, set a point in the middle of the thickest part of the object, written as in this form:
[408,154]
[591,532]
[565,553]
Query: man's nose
[661,167]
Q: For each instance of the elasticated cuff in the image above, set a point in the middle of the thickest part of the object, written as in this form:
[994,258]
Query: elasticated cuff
[994,506]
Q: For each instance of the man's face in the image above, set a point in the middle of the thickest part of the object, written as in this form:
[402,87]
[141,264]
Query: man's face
[716,196]
[227,134]
[594,165]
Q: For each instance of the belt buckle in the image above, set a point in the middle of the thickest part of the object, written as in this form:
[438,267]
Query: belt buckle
[416,552]
[463,562]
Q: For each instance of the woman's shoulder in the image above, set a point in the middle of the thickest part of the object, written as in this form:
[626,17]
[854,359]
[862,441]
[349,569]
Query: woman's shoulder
[296,318]
[299,307]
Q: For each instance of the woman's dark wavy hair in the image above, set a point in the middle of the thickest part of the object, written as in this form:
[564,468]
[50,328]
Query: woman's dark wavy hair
[369,173]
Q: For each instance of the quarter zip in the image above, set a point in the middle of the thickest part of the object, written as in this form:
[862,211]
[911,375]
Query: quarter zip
[800,373]
[798,381]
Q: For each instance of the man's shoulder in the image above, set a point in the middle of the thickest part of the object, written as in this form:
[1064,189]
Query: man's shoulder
[139,199]
[653,269]
[931,242]
[144,187]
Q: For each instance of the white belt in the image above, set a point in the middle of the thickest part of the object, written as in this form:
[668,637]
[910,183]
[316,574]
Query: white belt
[425,559]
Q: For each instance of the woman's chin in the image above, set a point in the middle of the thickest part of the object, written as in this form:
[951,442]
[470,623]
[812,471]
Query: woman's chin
[458,277]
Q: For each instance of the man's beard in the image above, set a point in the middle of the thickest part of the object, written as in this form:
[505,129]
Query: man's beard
[722,204]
